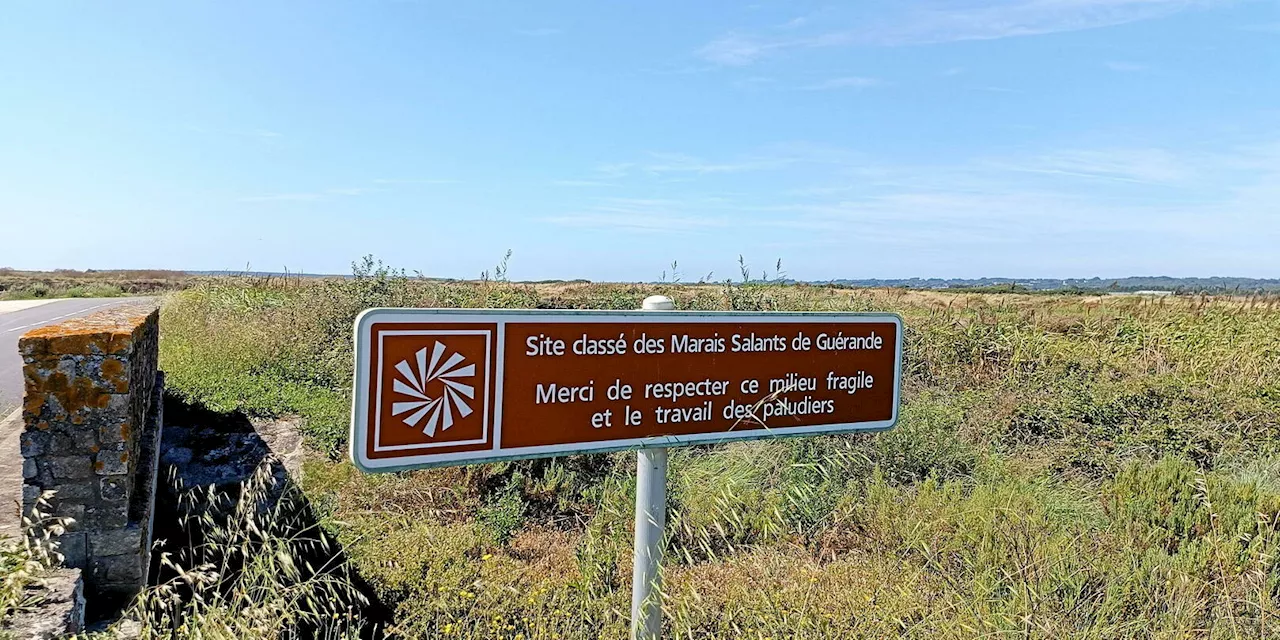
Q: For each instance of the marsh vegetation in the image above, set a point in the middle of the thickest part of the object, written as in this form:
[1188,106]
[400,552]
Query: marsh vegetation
[1065,466]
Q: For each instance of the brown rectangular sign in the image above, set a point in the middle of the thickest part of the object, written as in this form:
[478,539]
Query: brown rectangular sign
[438,387]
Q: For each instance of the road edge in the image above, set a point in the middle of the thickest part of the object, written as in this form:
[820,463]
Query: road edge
[11,475]
[11,306]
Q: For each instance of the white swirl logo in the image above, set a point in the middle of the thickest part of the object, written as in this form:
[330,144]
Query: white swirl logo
[440,375]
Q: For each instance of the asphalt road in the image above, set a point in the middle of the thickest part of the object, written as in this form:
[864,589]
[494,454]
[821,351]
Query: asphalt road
[15,323]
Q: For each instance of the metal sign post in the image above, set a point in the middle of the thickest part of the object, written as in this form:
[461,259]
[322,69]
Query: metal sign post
[651,519]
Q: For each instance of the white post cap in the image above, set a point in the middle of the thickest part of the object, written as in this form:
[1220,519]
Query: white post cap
[658,303]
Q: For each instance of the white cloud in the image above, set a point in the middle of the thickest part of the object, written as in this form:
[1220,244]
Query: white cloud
[735,49]
[915,22]
[649,215]
[1146,166]
[1189,194]
[663,163]
[1121,208]
[1010,18]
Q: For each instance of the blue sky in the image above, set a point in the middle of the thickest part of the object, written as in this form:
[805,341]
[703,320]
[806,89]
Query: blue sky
[1032,138]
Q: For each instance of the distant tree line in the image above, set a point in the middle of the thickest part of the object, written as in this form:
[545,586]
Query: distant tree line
[1084,285]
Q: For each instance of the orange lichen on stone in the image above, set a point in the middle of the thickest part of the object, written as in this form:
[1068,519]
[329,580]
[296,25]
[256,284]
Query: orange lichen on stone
[73,396]
[33,403]
[111,331]
[113,371]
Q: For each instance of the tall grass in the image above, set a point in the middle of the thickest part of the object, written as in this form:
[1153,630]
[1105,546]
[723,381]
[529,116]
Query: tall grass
[252,566]
[26,563]
[1066,466]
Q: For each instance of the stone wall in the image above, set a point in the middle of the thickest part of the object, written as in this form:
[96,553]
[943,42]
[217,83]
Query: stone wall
[91,427]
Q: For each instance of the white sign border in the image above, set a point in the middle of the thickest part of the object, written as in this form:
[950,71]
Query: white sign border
[500,317]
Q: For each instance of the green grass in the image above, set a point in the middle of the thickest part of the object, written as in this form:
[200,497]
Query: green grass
[1065,466]
[256,566]
[66,283]
[40,291]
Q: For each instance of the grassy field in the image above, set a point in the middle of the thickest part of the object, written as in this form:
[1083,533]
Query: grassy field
[1065,467]
[69,283]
